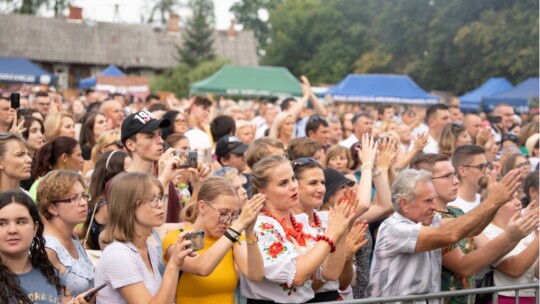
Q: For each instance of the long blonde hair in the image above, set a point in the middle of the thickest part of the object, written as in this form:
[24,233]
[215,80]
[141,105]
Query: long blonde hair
[105,139]
[279,120]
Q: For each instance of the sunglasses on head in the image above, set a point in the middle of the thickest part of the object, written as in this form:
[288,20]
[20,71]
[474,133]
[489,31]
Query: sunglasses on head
[302,161]
[118,143]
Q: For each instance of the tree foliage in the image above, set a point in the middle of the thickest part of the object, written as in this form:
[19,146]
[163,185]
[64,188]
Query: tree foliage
[198,34]
[32,7]
[162,9]
[179,78]
[444,45]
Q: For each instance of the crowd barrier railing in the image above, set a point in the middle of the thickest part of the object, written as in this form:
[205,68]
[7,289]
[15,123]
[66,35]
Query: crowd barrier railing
[445,294]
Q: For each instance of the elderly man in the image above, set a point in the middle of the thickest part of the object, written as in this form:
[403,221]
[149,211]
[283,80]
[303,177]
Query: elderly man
[112,109]
[407,257]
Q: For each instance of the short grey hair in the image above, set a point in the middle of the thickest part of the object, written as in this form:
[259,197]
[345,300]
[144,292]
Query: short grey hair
[333,119]
[403,187]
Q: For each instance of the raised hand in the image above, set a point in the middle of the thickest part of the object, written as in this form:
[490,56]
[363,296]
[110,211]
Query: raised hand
[356,238]
[420,142]
[181,249]
[250,211]
[388,153]
[503,191]
[367,150]
[340,217]
[169,166]
[519,226]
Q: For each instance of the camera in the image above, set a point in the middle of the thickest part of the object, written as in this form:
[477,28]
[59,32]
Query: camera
[188,158]
[197,239]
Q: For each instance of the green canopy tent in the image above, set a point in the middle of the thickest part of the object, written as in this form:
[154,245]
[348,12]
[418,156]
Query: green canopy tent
[259,81]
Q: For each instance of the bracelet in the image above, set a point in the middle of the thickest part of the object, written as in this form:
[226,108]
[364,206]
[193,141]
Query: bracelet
[321,237]
[367,166]
[377,172]
[230,237]
[252,240]
[236,232]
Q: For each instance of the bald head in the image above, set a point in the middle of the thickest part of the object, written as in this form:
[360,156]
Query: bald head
[472,123]
[112,109]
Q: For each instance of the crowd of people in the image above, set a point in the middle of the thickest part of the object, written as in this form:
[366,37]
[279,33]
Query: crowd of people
[289,201]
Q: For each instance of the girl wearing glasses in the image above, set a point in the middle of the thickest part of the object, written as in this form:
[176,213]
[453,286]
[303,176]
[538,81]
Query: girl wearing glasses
[63,200]
[130,264]
[294,255]
[26,271]
[15,162]
[211,276]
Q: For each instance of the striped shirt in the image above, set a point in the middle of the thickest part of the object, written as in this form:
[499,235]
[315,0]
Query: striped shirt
[396,269]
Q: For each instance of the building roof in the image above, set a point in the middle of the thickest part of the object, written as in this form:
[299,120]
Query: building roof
[100,43]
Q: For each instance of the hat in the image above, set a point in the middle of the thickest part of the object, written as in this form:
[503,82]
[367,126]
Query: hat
[334,180]
[229,144]
[141,122]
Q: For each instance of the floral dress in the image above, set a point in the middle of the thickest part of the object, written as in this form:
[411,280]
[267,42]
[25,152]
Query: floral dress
[279,257]
[451,280]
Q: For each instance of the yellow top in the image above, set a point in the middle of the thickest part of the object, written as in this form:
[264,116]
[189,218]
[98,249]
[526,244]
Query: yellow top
[218,287]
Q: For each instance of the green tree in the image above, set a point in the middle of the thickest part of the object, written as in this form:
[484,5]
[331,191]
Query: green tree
[248,14]
[179,78]
[31,7]
[198,34]
[321,39]
[163,8]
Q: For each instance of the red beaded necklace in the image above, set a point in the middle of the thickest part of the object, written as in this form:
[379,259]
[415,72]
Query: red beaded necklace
[316,221]
[296,232]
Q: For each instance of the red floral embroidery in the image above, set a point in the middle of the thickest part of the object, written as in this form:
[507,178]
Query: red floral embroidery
[266,226]
[275,249]
[288,289]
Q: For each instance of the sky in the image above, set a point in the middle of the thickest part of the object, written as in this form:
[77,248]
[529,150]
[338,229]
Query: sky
[130,11]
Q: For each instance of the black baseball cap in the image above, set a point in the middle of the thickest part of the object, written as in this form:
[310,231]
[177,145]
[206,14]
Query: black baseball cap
[334,180]
[230,144]
[141,122]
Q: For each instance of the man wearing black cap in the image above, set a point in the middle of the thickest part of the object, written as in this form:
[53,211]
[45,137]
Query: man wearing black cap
[230,153]
[141,135]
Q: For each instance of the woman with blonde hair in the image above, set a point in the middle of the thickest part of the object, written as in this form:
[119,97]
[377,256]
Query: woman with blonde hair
[283,128]
[230,243]
[63,202]
[15,162]
[453,135]
[129,265]
[58,125]
[107,141]
[245,131]
[294,255]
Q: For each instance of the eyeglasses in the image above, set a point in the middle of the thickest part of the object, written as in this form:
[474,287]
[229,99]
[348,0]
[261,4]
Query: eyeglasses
[180,121]
[117,143]
[302,161]
[77,199]
[480,167]
[448,177]
[155,200]
[523,165]
[225,218]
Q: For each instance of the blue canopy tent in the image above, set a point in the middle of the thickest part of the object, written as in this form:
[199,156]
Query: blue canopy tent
[471,101]
[380,88]
[111,70]
[16,69]
[518,97]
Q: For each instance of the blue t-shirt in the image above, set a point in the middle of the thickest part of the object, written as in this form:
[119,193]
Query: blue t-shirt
[38,289]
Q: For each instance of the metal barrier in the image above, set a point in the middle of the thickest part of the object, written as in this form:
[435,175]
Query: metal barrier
[445,294]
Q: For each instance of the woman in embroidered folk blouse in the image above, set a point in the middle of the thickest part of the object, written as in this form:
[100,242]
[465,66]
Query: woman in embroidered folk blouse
[291,260]
[311,182]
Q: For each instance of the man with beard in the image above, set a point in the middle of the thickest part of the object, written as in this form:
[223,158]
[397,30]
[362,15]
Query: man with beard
[471,166]
[460,260]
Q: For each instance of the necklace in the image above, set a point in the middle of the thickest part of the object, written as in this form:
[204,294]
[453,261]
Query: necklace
[294,233]
[316,221]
